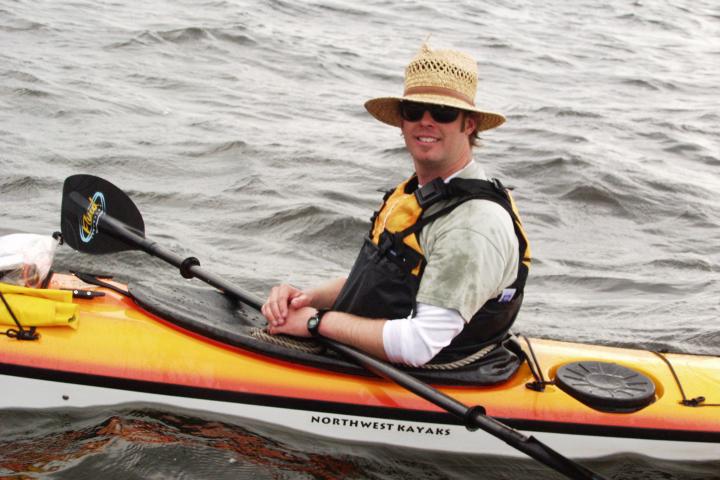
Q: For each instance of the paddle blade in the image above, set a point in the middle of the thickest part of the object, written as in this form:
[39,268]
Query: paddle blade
[86,199]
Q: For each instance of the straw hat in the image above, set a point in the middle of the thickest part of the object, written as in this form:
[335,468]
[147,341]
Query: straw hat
[441,77]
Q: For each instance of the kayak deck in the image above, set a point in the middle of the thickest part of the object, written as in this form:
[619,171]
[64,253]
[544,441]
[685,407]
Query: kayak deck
[229,321]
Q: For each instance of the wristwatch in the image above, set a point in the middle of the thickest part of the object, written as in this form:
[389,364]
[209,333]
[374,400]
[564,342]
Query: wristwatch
[313,323]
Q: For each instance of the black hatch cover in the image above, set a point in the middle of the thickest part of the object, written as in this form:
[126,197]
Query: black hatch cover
[606,386]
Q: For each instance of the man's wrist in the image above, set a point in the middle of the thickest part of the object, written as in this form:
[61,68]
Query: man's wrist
[313,323]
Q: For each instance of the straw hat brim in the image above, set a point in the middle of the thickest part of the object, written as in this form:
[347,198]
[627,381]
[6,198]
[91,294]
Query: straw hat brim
[386,109]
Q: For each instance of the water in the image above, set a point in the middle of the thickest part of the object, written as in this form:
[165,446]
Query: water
[139,443]
[238,129]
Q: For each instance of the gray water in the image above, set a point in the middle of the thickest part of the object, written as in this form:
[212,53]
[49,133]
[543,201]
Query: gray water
[238,130]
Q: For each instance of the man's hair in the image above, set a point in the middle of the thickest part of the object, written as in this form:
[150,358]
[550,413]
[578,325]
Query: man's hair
[474,137]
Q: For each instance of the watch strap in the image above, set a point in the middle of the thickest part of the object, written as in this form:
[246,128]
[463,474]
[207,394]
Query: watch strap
[313,324]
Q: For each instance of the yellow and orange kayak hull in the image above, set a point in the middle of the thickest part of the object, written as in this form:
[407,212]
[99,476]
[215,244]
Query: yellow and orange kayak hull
[120,353]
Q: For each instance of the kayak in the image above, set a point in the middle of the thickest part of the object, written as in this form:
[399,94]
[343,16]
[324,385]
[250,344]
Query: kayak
[195,348]
[83,340]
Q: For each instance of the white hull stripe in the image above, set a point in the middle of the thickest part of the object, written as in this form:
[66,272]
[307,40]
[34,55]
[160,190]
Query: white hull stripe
[425,430]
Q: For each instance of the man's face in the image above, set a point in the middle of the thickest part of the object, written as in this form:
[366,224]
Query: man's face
[438,145]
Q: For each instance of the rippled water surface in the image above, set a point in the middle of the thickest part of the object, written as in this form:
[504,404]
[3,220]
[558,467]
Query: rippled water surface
[238,129]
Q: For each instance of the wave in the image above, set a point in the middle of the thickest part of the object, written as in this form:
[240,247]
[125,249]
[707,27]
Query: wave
[180,36]
[704,341]
[592,195]
[709,160]
[32,92]
[21,25]
[22,183]
[648,84]
[549,163]
[22,76]
[684,147]
[312,223]
[677,263]
[566,112]
[552,136]
[232,146]
[345,9]
[616,284]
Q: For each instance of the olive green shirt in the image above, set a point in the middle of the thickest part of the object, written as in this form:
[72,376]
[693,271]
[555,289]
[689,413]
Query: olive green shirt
[472,253]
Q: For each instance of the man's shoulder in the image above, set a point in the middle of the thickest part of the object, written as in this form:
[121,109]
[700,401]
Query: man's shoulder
[473,171]
[471,211]
[478,215]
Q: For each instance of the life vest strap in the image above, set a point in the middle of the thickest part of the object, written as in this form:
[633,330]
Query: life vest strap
[431,193]
[465,190]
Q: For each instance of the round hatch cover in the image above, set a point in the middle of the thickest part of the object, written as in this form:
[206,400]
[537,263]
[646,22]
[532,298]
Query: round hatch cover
[606,386]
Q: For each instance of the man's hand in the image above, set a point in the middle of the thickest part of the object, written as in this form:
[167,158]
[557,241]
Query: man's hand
[282,299]
[295,323]
[288,310]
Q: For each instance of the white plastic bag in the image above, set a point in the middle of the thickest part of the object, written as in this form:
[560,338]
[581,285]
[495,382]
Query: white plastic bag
[26,258]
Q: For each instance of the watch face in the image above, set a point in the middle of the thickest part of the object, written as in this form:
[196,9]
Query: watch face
[313,324]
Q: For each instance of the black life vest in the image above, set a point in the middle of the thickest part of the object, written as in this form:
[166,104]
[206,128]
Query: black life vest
[385,278]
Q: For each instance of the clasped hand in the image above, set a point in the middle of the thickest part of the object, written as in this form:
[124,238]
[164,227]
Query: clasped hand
[287,311]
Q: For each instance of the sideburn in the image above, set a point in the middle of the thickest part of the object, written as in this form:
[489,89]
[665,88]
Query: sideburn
[473,137]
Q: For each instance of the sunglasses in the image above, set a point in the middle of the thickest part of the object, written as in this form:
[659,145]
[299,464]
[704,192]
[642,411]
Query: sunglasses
[413,112]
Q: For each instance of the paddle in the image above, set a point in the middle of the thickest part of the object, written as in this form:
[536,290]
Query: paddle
[97,217]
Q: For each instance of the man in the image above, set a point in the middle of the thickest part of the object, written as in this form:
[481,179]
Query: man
[439,276]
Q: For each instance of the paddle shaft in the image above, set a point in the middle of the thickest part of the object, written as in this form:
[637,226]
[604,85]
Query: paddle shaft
[188,266]
[472,417]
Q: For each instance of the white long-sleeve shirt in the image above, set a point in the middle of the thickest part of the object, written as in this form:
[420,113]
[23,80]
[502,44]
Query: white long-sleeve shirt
[415,341]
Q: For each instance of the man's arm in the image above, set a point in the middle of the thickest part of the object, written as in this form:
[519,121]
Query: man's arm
[365,334]
[412,341]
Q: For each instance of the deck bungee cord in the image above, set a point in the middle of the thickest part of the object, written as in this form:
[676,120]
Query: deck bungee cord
[311,346]
[540,383]
[20,333]
[698,401]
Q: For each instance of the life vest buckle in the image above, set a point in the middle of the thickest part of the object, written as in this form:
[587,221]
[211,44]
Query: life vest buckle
[431,192]
[386,242]
[498,185]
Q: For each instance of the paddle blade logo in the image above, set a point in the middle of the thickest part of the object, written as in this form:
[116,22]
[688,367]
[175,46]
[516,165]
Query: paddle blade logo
[90,207]
[89,220]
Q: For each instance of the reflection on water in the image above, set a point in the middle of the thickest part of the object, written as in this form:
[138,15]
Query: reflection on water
[146,442]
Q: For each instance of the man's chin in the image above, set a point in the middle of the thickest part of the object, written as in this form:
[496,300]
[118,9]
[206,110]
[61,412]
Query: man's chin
[424,157]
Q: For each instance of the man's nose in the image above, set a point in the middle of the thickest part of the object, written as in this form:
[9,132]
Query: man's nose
[427,118]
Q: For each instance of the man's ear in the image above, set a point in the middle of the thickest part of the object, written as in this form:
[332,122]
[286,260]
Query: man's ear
[469,124]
